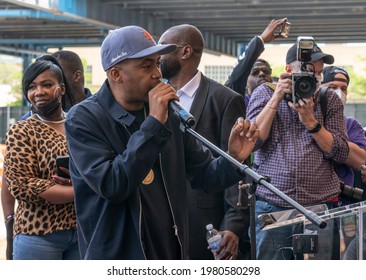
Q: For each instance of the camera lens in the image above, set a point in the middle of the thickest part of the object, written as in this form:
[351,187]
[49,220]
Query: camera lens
[305,86]
[351,193]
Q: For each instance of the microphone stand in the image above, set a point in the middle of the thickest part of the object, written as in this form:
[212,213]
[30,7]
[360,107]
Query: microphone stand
[250,188]
[258,180]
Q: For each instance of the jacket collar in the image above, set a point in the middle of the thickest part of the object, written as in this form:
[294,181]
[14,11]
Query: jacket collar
[112,107]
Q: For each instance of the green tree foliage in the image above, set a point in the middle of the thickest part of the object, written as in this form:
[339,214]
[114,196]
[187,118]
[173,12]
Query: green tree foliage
[357,87]
[11,74]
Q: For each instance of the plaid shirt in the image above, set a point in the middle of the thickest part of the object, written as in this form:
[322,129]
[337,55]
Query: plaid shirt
[291,157]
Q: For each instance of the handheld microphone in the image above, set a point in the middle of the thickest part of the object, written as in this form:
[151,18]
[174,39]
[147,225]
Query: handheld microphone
[183,114]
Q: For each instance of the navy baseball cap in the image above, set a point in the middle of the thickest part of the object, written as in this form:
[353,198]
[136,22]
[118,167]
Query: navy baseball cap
[330,72]
[316,54]
[130,42]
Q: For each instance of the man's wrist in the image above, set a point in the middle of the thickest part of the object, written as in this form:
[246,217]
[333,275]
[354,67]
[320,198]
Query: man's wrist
[273,104]
[260,37]
[316,128]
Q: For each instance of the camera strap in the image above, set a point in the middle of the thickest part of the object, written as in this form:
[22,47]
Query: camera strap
[323,102]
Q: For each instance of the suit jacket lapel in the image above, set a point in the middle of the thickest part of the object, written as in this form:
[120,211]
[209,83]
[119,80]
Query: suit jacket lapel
[199,100]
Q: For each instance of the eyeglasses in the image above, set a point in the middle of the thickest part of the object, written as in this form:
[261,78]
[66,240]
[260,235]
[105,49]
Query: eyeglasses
[265,70]
[180,47]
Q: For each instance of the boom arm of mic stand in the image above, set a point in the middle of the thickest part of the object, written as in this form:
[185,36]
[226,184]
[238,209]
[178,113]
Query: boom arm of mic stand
[311,216]
[244,169]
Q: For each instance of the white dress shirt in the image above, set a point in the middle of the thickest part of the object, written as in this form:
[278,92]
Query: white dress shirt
[187,93]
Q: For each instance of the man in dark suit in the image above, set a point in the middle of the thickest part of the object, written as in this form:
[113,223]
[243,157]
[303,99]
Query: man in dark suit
[215,108]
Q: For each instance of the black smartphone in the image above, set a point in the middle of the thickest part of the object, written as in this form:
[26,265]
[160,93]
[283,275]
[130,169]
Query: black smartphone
[62,161]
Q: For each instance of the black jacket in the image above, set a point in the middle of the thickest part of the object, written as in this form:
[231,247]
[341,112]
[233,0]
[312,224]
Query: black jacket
[107,167]
[237,79]
[215,108]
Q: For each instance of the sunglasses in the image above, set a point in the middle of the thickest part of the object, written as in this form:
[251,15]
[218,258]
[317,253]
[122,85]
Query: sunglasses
[265,70]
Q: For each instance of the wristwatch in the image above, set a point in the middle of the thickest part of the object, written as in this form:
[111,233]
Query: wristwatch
[316,128]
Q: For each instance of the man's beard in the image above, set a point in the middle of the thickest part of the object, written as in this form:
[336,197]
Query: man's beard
[169,69]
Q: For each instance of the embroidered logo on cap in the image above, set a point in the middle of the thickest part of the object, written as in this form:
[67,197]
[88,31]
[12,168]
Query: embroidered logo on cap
[148,36]
[122,54]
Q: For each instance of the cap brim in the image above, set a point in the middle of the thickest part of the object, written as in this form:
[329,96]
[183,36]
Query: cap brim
[157,49]
[327,58]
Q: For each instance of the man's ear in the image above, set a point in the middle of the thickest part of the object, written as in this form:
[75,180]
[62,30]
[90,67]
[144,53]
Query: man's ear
[288,68]
[77,76]
[116,74]
[187,52]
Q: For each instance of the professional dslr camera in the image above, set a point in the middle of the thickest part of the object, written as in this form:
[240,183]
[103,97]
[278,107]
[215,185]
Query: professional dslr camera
[304,84]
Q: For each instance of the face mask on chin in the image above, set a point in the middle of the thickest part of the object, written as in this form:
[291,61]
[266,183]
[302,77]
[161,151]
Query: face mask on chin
[341,95]
[48,109]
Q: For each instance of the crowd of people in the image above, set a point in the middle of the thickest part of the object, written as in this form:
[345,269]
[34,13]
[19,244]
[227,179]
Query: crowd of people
[139,186]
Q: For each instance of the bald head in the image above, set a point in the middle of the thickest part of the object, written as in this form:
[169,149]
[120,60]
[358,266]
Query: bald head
[185,34]
[180,66]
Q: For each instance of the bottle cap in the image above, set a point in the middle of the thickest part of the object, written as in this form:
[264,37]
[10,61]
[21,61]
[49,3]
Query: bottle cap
[209,227]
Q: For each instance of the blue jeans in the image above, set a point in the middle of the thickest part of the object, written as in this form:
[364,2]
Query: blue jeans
[271,244]
[276,244]
[60,245]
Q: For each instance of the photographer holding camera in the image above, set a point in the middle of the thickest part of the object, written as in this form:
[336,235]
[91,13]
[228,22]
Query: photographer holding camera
[295,149]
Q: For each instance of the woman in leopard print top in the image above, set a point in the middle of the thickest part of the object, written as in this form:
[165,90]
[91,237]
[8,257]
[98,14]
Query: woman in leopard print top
[45,222]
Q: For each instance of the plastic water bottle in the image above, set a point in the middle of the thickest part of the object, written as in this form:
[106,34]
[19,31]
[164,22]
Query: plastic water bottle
[213,238]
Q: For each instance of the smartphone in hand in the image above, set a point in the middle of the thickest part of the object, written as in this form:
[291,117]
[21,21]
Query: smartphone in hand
[62,161]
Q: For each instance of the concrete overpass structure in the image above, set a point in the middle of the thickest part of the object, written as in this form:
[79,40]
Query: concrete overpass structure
[30,27]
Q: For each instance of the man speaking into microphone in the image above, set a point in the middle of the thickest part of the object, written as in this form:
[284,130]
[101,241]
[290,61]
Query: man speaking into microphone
[129,160]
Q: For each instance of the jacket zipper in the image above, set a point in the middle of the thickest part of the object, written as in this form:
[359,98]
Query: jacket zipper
[140,226]
[171,209]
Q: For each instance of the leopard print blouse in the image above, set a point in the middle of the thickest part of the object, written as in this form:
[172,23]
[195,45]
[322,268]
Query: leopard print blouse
[31,151]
